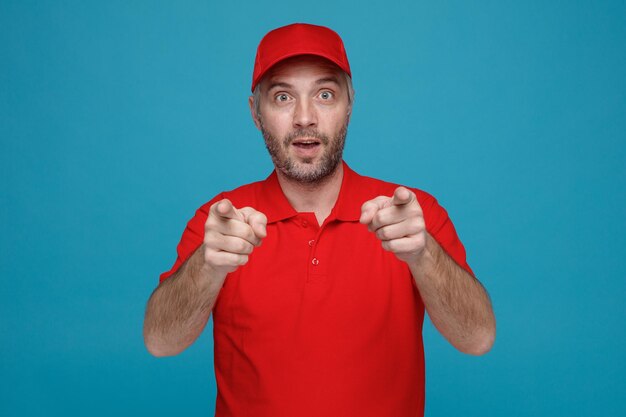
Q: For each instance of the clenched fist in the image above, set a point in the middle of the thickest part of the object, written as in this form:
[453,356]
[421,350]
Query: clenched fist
[230,235]
[398,222]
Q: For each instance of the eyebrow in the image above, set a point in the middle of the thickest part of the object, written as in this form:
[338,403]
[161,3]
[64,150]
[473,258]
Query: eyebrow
[327,80]
[280,84]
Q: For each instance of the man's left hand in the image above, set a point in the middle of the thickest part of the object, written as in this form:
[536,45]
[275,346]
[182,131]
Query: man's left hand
[398,222]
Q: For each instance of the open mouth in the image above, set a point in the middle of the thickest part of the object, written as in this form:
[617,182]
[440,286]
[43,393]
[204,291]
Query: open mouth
[305,143]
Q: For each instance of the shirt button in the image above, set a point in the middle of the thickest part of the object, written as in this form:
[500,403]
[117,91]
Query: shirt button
[305,223]
[311,242]
[315,261]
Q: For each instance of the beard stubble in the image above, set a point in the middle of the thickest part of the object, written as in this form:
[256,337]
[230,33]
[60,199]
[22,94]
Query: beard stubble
[332,156]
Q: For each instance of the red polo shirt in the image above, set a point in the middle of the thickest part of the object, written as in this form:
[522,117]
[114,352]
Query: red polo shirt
[321,321]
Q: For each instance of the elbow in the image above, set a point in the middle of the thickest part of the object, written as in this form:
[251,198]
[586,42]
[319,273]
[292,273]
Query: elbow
[157,347]
[160,353]
[152,346]
[159,350]
[483,338]
[155,341]
[155,350]
[481,343]
[481,347]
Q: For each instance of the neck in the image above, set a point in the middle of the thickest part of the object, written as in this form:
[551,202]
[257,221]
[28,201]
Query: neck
[319,197]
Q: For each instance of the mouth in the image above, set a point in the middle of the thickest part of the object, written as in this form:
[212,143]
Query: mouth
[307,148]
[306,143]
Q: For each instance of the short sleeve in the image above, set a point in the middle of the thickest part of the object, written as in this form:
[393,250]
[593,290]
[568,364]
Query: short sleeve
[192,237]
[440,227]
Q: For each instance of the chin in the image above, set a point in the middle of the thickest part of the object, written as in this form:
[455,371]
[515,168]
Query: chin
[308,173]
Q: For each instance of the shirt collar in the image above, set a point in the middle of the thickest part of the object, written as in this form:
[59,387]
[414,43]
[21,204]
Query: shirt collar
[273,202]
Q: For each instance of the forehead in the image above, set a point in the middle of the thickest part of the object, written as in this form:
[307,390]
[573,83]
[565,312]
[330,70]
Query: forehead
[304,66]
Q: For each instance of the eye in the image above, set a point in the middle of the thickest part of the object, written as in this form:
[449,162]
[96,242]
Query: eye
[326,95]
[282,97]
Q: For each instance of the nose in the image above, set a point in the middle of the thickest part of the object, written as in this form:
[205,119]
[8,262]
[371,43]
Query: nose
[304,114]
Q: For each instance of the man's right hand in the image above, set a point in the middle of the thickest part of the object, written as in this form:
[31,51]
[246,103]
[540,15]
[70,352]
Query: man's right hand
[230,235]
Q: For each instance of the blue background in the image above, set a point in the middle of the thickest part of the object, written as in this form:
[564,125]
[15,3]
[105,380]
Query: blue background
[119,118]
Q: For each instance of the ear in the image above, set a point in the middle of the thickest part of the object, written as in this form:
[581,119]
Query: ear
[255,117]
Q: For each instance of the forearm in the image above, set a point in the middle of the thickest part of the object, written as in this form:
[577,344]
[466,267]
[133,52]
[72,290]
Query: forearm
[456,302]
[180,306]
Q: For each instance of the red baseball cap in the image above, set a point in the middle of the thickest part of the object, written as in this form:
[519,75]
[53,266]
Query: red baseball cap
[298,39]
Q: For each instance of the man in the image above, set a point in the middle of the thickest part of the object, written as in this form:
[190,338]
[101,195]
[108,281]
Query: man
[317,277]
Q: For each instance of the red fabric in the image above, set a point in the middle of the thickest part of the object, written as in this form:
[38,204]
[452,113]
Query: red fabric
[321,321]
[298,39]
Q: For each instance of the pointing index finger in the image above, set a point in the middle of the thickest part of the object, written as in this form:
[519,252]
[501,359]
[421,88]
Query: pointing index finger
[226,210]
[402,196]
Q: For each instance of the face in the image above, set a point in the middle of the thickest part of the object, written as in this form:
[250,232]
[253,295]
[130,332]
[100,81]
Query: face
[303,115]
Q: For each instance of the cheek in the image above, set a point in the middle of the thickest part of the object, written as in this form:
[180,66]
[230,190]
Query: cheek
[277,123]
[337,119]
